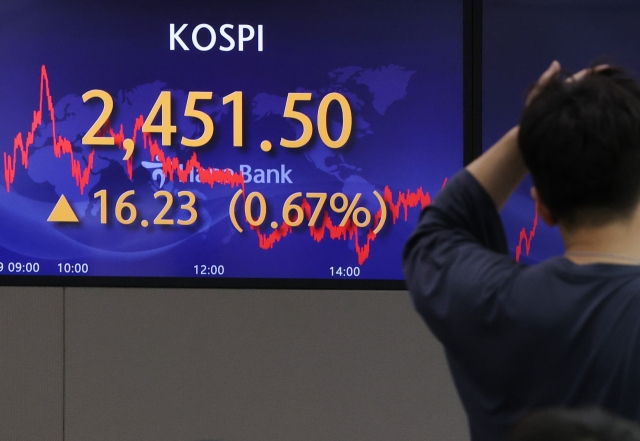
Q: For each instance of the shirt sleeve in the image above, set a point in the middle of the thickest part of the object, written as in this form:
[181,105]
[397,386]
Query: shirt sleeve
[457,266]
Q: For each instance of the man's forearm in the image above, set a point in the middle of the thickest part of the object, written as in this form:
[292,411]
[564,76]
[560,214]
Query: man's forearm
[500,169]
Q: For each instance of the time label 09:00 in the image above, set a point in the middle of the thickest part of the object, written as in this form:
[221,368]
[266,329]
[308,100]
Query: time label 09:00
[19,267]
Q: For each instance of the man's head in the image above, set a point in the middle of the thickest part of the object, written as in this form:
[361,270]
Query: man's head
[581,142]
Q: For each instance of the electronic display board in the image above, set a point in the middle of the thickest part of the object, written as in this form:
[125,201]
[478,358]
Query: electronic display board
[520,39]
[223,143]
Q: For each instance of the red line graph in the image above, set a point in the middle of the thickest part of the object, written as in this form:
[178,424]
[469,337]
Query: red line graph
[60,145]
[526,238]
[171,167]
[350,231]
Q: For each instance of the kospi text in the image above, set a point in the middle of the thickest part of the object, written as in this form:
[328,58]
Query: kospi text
[204,37]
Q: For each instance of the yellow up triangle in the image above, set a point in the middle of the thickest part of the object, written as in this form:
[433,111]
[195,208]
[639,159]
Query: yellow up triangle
[62,212]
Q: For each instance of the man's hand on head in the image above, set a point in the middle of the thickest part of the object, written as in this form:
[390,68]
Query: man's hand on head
[547,75]
[555,70]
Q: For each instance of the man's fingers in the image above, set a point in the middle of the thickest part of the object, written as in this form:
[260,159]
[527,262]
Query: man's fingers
[553,69]
[584,72]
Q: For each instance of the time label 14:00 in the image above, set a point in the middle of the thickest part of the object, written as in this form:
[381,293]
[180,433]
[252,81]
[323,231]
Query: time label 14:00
[163,109]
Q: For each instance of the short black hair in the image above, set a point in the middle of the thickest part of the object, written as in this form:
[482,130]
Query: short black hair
[583,424]
[580,140]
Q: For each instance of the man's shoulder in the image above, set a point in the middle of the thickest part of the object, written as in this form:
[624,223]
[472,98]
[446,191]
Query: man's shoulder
[560,290]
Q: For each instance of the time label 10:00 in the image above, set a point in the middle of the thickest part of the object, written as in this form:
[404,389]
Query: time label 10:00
[73,268]
[166,128]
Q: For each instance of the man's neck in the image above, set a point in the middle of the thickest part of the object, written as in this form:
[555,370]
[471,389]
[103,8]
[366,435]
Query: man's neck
[614,242]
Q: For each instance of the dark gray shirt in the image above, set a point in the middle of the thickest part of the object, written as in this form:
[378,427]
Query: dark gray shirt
[520,337]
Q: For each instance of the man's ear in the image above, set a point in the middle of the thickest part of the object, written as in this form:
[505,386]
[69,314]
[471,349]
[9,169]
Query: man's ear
[543,211]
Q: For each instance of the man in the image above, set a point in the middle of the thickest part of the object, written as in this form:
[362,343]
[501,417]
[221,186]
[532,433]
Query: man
[565,332]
